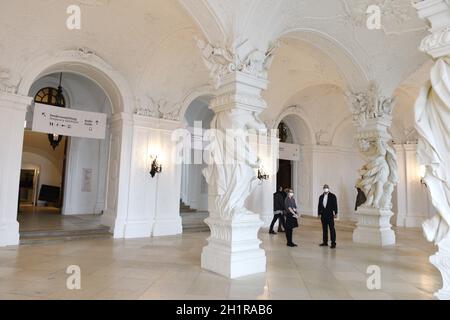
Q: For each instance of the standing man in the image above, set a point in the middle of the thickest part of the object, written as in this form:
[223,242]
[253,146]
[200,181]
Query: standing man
[291,217]
[278,210]
[328,210]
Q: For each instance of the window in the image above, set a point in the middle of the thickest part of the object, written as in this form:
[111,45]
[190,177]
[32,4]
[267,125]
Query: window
[51,96]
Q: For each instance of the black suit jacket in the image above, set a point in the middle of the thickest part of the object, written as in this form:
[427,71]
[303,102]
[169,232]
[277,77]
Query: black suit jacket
[278,201]
[332,206]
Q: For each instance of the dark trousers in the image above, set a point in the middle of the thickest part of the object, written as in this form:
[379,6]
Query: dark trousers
[282,223]
[328,223]
[288,235]
[274,220]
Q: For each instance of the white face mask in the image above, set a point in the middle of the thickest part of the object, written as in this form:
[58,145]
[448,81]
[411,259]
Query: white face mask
[291,194]
[326,190]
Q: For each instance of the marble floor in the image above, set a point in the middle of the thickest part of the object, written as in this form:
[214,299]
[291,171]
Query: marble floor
[168,268]
[48,218]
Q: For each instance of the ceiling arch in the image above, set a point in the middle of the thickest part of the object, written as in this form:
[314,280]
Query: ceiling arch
[356,76]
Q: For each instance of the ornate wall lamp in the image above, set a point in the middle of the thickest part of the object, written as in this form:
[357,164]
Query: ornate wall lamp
[422,173]
[262,175]
[156,167]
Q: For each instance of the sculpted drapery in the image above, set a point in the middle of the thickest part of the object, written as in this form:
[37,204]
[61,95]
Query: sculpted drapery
[379,175]
[231,171]
[433,125]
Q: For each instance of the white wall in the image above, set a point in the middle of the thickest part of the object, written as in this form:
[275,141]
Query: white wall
[412,198]
[154,203]
[330,165]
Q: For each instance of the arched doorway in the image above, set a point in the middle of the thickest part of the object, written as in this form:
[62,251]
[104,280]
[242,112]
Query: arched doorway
[70,172]
[284,173]
[295,163]
[194,189]
[86,64]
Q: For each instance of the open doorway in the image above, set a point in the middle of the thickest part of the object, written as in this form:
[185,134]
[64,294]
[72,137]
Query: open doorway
[194,189]
[63,179]
[285,167]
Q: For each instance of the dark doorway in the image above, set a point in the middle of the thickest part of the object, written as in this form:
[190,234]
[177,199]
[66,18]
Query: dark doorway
[284,174]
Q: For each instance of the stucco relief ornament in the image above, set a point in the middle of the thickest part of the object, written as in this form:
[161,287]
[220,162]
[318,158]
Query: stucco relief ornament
[323,138]
[241,57]
[6,83]
[379,175]
[219,61]
[170,111]
[84,51]
[370,105]
[147,107]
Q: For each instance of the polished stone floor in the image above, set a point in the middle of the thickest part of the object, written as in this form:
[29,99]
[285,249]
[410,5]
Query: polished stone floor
[48,218]
[168,268]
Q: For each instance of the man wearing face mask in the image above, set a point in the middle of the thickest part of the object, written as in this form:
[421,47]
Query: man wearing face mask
[328,210]
[291,217]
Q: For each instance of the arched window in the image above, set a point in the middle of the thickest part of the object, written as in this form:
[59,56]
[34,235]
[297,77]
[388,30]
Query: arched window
[283,132]
[51,96]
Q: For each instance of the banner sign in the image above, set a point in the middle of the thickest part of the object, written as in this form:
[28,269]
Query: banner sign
[68,122]
[289,151]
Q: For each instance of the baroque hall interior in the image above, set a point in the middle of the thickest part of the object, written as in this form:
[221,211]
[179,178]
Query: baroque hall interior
[144,142]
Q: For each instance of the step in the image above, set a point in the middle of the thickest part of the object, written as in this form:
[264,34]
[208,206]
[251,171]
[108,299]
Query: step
[43,236]
[62,233]
[187,209]
[194,222]
[49,240]
[195,230]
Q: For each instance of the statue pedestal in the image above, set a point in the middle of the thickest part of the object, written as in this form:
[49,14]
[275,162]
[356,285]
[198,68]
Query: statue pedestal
[374,227]
[233,247]
[441,260]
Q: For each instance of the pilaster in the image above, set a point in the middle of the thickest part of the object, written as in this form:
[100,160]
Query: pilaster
[13,108]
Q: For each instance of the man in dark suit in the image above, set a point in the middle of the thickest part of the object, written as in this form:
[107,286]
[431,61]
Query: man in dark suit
[278,210]
[328,210]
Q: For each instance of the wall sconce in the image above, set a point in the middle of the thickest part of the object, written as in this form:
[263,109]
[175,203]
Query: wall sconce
[422,173]
[262,175]
[155,167]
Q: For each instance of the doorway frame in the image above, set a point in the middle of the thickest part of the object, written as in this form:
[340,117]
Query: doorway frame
[86,63]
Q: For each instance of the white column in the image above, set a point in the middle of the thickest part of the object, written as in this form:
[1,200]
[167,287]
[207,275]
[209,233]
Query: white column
[373,116]
[12,117]
[102,174]
[432,119]
[239,73]
[119,164]
[308,185]
[402,187]
[233,248]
